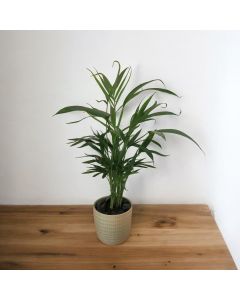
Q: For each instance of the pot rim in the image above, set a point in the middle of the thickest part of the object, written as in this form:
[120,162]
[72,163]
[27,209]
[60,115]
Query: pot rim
[115,215]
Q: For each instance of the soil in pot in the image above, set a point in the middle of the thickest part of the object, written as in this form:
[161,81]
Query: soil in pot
[103,206]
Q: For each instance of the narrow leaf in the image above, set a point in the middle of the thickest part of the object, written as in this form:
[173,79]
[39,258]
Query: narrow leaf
[91,111]
[163,113]
[178,132]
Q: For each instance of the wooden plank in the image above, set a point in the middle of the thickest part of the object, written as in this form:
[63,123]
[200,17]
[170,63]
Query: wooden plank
[63,237]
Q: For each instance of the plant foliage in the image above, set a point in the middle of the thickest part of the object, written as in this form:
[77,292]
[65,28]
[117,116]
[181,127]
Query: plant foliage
[109,156]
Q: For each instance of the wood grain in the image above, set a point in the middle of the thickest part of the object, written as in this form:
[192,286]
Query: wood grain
[63,237]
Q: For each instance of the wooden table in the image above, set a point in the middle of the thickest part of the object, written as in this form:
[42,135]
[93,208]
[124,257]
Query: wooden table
[63,237]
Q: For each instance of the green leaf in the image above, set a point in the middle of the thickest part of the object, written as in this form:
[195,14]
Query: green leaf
[109,154]
[118,80]
[156,143]
[144,165]
[158,153]
[158,90]
[96,174]
[163,113]
[161,134]
[77,121]
[137,90]
[148,152]
[134,137]
[119,66]
[113,116]
[148,140]
[105,82]
[178,132]
[89,161]
[89,171]
[123,84]
[145,104]
[120,134]
[104,101]
[91,111]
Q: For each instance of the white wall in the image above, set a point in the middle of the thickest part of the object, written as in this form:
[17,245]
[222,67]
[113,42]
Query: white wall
[41,72]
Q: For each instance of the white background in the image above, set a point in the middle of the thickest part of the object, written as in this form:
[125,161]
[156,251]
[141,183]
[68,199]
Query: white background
[41,72]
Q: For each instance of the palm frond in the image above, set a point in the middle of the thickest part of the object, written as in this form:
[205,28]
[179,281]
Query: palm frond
[109,148]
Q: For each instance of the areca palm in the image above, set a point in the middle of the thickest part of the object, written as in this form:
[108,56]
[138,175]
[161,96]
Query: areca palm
[110,146]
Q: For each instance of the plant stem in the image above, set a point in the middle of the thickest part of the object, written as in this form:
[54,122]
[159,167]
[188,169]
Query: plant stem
[117,185]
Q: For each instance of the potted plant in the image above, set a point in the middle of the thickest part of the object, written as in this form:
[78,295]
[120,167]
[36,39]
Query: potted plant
[110,156]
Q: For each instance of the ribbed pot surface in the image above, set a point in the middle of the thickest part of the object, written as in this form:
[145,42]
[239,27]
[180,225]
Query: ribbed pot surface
[112,229]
